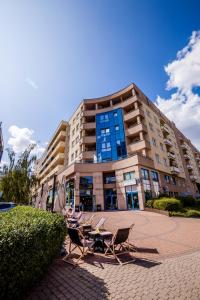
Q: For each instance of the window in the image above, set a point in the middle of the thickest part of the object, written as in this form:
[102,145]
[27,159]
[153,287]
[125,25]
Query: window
[148,114]
[173,180]
[157,158]
[115,114]
[159,133]
[129,176]
[145,174]
[116,127]
[76,153]
[73,143]
[104,118]
[153,142]
[105,131]
[77,139]
[161,146]
[77,127]
[165,162]
[155,119]
[167,178]
[72,157]
[106,147]
[73,131]
[109,178]
[151,126]
[154,176]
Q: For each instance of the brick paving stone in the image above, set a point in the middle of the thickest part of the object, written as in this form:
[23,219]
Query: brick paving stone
[167,265]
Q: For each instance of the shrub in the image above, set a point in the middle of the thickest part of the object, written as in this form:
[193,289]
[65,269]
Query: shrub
[149,203]
[169,204]
[29,240]
[192,213]
[187,201]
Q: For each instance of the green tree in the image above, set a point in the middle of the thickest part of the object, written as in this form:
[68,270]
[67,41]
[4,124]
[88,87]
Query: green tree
[18,178]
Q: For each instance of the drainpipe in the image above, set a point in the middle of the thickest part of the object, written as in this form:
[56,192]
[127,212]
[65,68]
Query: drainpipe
[54,189]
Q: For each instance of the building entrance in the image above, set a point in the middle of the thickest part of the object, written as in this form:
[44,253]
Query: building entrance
[132,200]
[110,198]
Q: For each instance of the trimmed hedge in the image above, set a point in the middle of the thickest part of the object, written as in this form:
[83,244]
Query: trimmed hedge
[29,240]
[149,203]
[170,204]
[187,201]
[187,213]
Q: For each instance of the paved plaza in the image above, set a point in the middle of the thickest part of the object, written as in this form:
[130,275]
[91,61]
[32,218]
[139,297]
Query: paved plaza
[167,264]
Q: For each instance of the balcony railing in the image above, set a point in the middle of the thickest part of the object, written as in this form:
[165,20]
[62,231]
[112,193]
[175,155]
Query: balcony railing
[190,167]
[165,129]
[171,155]
[167,142]
[174,170]
[184,146]
[186,156]
[193,177]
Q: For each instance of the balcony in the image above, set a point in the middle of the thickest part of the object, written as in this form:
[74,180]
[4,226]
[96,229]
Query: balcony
[136,129]
[165,129]
[184,146]
[89,125]
[167,142]
[58,160]
[197,158]
[88,155]
[193,177]
[88,139]
[186,156]
[174,170]
[171,155]
[190,167]
[133,114]
[137,146]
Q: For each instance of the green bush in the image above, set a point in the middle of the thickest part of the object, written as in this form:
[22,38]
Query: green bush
[187,201]
[29,240]
[169,204]
[192,213]
[149,203]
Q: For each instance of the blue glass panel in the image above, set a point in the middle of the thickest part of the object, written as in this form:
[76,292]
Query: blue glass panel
[110,136]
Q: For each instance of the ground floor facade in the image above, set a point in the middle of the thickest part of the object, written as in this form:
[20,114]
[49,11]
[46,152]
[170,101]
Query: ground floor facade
[119,185]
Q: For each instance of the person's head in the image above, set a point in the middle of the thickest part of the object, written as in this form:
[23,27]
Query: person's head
[70,210]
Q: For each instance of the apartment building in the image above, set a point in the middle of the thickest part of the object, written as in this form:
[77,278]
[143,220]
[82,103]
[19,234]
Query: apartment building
[1,141]
[54,157]
[121,150]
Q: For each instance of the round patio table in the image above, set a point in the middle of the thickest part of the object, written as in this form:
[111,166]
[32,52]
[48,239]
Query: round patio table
[99,237]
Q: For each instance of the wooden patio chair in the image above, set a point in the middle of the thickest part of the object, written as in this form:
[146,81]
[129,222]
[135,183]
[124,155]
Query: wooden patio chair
[99,224]
[77,240]
[119,245]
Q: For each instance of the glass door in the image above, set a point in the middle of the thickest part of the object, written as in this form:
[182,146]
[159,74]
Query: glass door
[132,200]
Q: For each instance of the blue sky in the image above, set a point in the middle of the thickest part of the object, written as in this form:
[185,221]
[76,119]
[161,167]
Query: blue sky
[55,53]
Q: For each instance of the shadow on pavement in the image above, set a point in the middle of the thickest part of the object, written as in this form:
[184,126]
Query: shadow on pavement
[63,281]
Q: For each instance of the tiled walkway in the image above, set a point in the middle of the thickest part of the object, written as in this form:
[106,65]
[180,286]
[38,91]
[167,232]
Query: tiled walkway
[167,264]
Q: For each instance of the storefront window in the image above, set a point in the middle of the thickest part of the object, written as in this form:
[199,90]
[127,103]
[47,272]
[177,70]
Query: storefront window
[129,176]
[145,174]
[109,178]
[154,176]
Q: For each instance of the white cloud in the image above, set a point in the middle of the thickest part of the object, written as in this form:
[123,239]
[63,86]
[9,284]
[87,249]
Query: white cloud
[183,107]
[32,83]
[21,138]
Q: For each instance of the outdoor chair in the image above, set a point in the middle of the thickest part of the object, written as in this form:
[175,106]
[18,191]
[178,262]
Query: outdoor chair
[127,243]
[77,240]
[99,224]
[119,245]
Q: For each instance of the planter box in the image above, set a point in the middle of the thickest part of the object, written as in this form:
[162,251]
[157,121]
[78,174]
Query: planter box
[158,211]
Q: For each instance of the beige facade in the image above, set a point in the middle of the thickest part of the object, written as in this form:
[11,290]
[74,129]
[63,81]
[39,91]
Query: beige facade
[53,158]
[160,159]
